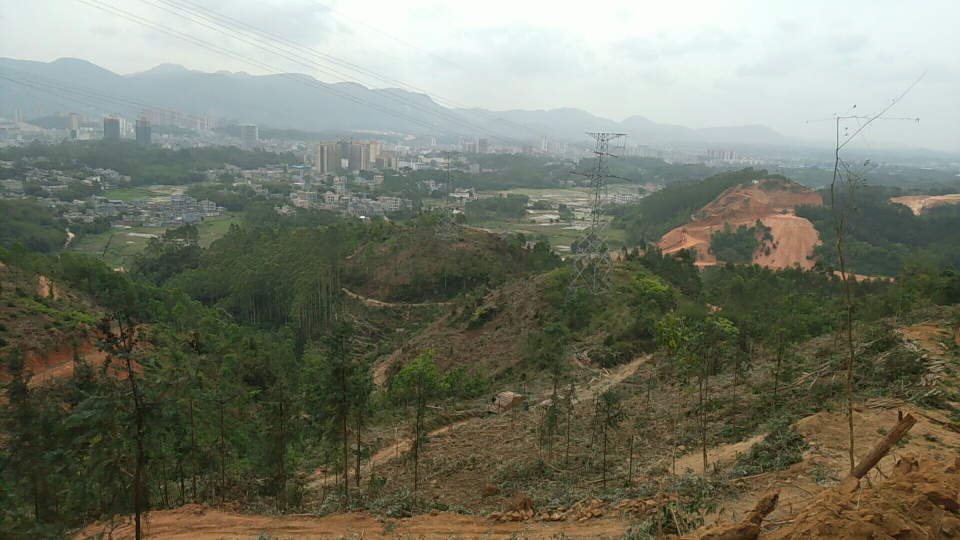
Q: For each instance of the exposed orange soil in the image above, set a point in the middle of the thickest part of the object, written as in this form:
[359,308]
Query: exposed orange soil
[921,203]
[930,336]
[794,236]
[59,363]
[198,522]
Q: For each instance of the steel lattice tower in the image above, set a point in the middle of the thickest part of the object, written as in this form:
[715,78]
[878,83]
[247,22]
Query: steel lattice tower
[592,264]
[447,228]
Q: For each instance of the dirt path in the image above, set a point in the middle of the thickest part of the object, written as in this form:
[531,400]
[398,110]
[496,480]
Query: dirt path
[378,303]
[612,378]
[197,522]
[384,455]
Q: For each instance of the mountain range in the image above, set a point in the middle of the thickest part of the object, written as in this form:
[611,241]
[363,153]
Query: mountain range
[301,102]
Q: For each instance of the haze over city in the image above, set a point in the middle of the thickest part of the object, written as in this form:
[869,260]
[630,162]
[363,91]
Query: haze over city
[696,64]
[614,270]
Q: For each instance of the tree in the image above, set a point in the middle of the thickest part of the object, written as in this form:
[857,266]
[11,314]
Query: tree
[337,391]
[610,413]
[673,335]
[416,384]
[120,345]
[846,179]
[711,343]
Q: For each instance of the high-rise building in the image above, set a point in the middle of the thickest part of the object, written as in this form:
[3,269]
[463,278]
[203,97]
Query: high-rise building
[328,157]
[74,125]
[249,136]
[374,151]
[17,116]
[482,146]
[38,112]
[428,141]
[387,162]
[111,128]
[359,157]
[144,137]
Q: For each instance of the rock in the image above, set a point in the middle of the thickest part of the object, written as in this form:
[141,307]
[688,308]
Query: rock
[496,515]
[941,499]
[434,512]
[489,490]
[556,516]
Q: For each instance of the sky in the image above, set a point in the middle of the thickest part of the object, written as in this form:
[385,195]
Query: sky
[789,66]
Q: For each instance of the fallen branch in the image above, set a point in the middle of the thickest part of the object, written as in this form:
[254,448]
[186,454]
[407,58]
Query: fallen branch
[884,446]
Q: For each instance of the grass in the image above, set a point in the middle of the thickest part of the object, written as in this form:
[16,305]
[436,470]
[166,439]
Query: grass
[129,194]
[559,234]
[127,243]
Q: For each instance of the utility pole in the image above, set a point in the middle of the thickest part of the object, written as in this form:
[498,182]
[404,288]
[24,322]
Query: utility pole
[447,229]
[592,264]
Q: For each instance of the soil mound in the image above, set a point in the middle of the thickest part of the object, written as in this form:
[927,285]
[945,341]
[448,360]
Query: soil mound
[770,201]
[919,500]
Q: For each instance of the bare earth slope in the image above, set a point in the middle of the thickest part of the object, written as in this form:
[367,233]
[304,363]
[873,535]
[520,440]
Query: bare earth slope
[921,203]
[770,201]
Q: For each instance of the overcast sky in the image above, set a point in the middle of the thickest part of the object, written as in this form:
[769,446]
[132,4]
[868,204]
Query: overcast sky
[698,64]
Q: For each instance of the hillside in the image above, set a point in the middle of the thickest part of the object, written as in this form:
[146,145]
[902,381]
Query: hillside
[922,203]
[772,202]
[409,264]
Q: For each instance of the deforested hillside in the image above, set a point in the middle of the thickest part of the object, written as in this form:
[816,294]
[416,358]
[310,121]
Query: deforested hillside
[767,203]
[409,264]
[301,369]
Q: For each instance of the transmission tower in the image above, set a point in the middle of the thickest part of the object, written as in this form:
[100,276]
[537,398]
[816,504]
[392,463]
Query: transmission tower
[447,228]
[592,265]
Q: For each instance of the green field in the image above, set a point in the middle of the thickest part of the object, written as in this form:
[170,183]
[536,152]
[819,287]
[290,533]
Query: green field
[123,244]
[129,194]
[561,235]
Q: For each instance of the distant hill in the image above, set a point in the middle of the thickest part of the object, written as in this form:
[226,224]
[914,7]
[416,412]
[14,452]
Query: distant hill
[297,101]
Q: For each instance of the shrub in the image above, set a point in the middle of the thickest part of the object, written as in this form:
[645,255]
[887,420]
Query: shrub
[782,447]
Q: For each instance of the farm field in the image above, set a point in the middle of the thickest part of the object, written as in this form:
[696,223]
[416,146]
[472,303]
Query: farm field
[560,233]
[127,243]
[145,192]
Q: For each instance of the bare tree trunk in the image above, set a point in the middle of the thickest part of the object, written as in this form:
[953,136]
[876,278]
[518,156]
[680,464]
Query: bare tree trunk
[223,467]
[193,454]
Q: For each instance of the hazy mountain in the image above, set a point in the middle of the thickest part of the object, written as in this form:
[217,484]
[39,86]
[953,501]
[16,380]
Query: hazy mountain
[297,101]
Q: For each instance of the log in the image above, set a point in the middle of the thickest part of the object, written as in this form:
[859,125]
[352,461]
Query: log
[884,446]
[746,529]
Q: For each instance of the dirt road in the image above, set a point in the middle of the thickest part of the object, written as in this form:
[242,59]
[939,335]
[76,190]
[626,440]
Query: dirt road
[197,522]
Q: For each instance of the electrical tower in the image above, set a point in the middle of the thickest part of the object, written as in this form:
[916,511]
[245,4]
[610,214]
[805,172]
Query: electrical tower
[592,264]
[447,230]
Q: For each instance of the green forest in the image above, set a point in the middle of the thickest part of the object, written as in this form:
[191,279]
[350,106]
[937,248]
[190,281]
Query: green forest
[266,371]
[738,245]
[883,238]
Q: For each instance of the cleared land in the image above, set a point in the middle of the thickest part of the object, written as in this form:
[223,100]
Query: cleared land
[921,203]
[771,202]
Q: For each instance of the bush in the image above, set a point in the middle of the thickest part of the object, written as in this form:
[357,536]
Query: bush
[782,447]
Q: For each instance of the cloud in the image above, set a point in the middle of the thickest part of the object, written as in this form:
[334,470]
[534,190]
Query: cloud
[104,30]
[644,49]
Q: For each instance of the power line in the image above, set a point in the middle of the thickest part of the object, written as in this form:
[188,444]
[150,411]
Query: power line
[293,56]
[233,24]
